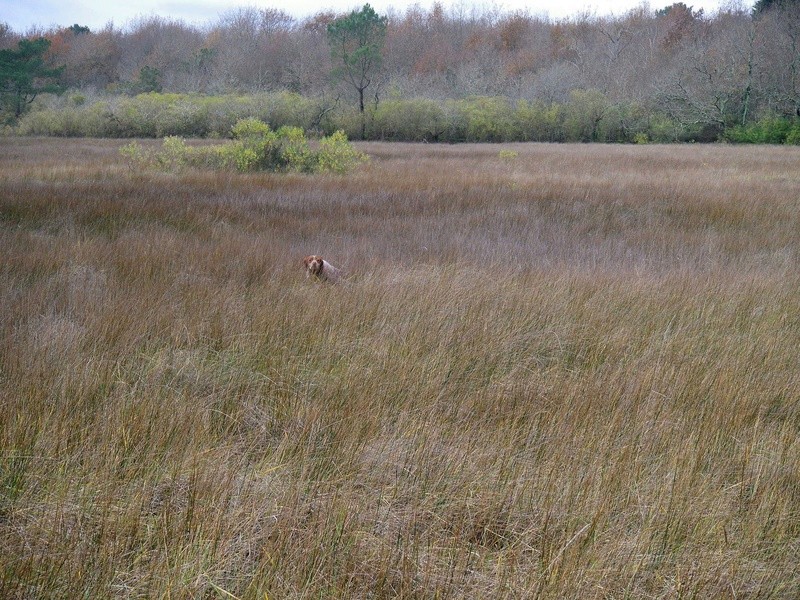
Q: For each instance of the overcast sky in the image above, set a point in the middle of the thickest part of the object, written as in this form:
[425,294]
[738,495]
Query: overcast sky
[24,14]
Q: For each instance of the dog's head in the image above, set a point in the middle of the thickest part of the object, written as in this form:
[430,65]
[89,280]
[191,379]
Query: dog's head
[313,265]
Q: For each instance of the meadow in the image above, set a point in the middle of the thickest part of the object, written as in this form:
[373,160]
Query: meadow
[554,371]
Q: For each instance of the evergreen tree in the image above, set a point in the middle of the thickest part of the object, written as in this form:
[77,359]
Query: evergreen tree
[356,43]
[24,75]
[763,6]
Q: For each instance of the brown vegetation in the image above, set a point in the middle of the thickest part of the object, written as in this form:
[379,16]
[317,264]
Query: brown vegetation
[556,372]
[671,72]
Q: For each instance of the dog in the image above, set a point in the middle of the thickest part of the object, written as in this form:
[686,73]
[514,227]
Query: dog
[319,268]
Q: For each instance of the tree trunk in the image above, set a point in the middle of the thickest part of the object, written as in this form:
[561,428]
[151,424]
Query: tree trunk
[361,109]
[749,87]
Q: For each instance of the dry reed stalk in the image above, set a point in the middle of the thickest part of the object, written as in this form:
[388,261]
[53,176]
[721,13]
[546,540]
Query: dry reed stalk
[570,374]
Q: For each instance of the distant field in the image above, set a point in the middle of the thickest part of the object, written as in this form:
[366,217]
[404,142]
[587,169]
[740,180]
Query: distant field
[556,371]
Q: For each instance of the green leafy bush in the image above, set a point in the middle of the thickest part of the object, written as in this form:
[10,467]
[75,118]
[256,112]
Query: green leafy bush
[793,137]
[539,121]
[488,119]
[174,154]
[336,154]
[661,129]
[508,155]
[295,151]
[587,116]
[255,147]
[136,155]
[156,115]
[250,129]
[767,130]
[413,120]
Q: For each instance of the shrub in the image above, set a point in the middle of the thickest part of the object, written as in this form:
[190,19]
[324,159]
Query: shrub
[793,137]
[295,151]
[65,121]
[347,119]
[588,115]
[222,113]
[508,155]
[136,155]
[623,122]
[255,147]
[662,129]
[767,130]
[250,129]
[488,119]
[539,122]
[287,108]
[183,116]
[456,122]
[415,120]
[174,154]
[161,115]
[584,115]
[336,154]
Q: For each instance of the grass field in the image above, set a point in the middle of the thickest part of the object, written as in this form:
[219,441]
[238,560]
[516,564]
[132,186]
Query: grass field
[554,372]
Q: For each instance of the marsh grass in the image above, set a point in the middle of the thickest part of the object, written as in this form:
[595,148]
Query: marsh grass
[572,374]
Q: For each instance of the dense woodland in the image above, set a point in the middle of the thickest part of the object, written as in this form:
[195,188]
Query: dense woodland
[460,74]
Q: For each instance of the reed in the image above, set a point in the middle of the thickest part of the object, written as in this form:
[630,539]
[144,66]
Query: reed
[556,372]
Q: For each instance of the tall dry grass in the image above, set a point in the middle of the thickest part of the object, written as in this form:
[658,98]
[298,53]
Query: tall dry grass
[569,372]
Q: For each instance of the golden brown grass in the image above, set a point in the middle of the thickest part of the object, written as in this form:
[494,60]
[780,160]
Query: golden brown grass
[569,373]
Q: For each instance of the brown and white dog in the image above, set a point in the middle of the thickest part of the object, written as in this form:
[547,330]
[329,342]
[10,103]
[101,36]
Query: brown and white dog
[319,268]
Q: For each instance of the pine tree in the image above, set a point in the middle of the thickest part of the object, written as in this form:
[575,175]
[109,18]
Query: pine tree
[24,75]
[356,43]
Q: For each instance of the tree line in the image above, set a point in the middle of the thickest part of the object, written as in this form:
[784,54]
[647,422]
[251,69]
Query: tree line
[461,74]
